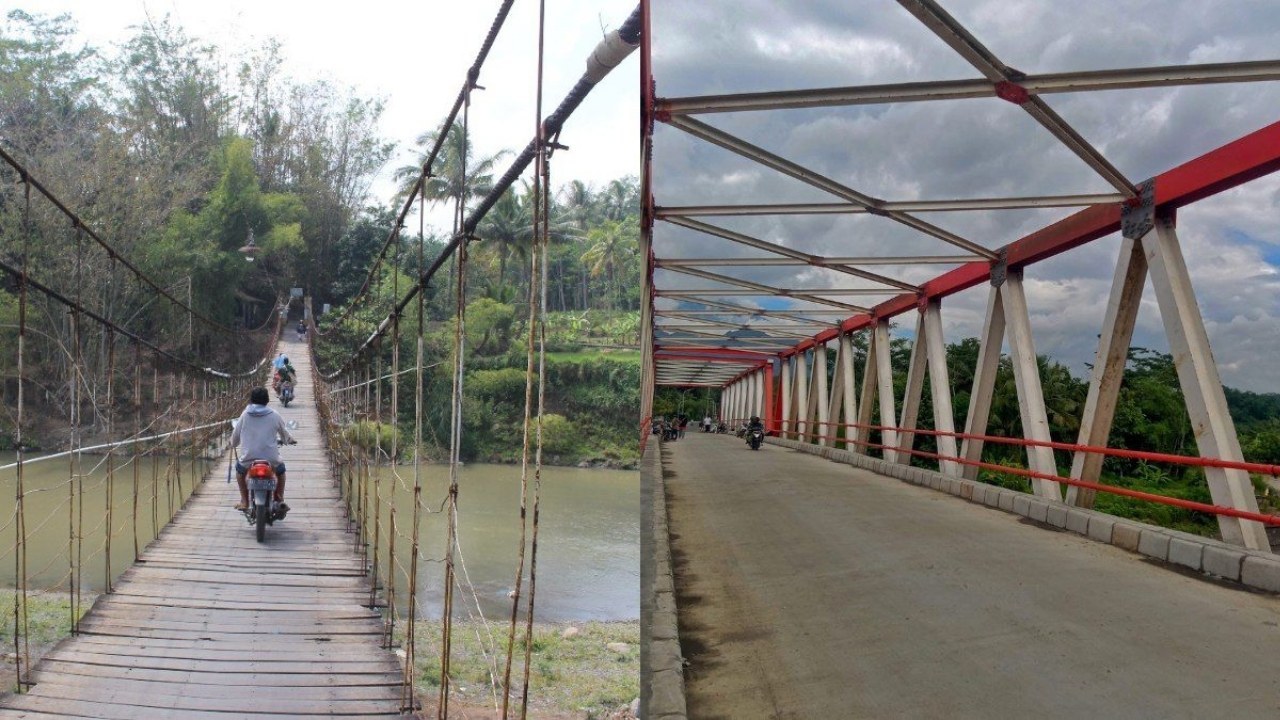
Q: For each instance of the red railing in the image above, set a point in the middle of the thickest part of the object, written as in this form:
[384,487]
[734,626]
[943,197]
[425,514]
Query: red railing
[1259,468]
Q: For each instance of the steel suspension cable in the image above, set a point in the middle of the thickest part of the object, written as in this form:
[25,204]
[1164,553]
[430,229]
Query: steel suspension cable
[21,656]
[542,403]
[455,433]
[528,382]
[411,631]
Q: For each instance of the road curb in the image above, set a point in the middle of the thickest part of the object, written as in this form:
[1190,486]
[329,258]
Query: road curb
[1251,568]
[661,664]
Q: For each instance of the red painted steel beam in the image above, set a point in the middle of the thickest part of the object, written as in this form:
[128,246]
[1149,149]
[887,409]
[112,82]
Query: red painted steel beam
[1231,165]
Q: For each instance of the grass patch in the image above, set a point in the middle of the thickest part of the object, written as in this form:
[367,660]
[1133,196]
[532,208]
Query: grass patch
[48,622]
[578,674]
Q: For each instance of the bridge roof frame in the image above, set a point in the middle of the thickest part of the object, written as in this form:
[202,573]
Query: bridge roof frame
[1227,166]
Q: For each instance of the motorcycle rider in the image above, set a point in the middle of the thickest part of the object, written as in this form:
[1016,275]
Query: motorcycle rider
[255,434]
[285,372]
[753,426]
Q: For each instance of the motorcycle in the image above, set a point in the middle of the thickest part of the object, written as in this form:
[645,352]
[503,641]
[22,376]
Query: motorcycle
[755,437]
[263,509]
[286,393]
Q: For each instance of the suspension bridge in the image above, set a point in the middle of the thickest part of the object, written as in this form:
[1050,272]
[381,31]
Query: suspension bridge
[173,609]
[856,566]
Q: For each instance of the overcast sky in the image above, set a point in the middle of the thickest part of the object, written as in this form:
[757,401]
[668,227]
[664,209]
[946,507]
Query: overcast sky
[415,56]
[982,148]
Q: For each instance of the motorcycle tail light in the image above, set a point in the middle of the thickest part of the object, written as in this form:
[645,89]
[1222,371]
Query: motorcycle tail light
[261,470]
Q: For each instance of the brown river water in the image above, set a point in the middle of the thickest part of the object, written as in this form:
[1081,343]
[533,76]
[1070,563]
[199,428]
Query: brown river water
[588,544]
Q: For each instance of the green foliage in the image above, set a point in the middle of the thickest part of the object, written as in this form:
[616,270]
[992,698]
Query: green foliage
[489,325]
[558,434]
[372,436]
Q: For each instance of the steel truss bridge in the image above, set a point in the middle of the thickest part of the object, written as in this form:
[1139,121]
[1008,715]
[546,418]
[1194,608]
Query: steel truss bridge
[784,350]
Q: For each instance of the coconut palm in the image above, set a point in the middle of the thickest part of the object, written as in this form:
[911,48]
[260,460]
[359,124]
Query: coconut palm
[508,226]
[447,182]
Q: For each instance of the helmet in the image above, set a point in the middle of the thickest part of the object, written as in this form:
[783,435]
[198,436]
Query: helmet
[284,359]
[755,418]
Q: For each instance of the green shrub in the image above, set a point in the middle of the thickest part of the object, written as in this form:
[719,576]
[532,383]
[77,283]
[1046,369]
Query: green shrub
[371,435]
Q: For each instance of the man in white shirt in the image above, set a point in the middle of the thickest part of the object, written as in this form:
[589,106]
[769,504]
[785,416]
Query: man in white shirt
[256,434]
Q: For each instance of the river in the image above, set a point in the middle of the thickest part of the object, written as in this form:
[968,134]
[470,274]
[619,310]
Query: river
[588,543]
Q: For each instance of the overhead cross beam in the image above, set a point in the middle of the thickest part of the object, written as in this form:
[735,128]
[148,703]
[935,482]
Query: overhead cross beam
[1067,82]
[1008,87]
[788,253]
[764,157]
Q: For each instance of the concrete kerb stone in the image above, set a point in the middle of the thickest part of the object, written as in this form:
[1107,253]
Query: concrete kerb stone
[992,498]
[1022,505]
[1259,570]
[1006,499]
[1078,521]
[1186,552]
[1101,527]
[1153,543]
[1126,535]
[1056,515]
[1223,561]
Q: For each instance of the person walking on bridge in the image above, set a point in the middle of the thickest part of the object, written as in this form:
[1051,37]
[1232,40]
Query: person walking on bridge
[256,434]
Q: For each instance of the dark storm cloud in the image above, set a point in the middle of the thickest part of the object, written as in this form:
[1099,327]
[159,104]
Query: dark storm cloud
[982,148]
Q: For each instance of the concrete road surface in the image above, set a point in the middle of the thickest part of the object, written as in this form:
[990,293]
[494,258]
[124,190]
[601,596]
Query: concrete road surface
[810,589]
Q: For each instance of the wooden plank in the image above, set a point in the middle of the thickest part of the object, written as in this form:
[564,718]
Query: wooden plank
[248,664]
[216,692]
[108,711]
[315,705]
[311,680]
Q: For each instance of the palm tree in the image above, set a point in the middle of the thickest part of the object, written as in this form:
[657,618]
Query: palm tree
[447,182]
[620,199]
[509,225]
[609,241]
[578,202]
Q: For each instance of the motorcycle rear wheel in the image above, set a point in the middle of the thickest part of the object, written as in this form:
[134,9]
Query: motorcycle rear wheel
[261,513]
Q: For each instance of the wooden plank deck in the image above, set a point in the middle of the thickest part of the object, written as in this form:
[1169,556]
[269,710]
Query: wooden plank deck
[211,624]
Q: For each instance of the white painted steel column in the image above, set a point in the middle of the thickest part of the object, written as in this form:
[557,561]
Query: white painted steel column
[984,382]
[1108,367]
[867,399]
[823,425]
[1201,385]
[849,389]
[1026,375]
[916,369]
[757,393]
[884,381]
[802,396]
[784,389]
[940,387]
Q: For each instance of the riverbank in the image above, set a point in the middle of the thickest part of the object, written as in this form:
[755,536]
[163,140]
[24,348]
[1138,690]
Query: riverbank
[580,671]
[49,621]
